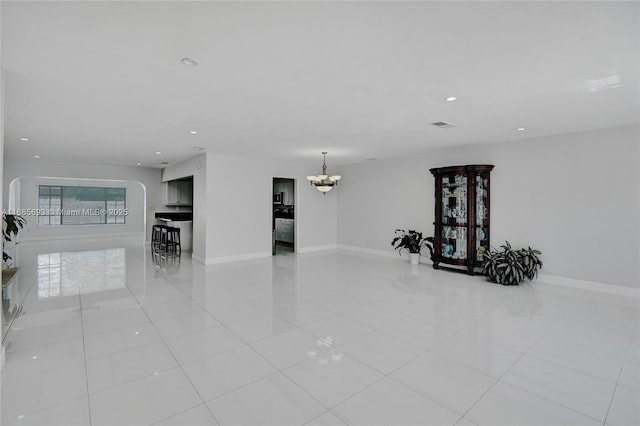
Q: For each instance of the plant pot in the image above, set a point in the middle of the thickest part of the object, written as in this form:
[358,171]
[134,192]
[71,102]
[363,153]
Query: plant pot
[414,258]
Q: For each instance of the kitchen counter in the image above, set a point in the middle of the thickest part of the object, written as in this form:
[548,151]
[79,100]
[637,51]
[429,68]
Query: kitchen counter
[179,221]
[283,212]
[175,216]
[283,215]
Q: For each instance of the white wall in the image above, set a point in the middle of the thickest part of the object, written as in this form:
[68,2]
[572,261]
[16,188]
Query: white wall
[27,188]
[196,167]
[2,348]
[316,215]
[232,200]
[239,207]
[150,178]
[575,197]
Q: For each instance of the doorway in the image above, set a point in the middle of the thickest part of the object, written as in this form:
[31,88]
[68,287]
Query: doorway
[283,218]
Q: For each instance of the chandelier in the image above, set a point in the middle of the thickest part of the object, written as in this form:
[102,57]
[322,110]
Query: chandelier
[324,183]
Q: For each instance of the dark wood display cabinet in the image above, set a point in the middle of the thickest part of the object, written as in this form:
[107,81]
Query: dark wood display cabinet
[462,215]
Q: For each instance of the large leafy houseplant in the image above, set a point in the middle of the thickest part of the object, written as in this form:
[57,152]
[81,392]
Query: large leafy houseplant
[11,224]
[411,241]
[511,267]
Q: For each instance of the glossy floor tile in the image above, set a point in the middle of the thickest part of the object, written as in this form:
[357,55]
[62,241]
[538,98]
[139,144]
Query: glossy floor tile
[274,400]
[387,402]
[197,416]
[102,335]
[333,377]
[506,405]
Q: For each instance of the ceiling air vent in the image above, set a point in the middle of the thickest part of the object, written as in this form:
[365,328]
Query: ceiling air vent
[443,125]
[164,163]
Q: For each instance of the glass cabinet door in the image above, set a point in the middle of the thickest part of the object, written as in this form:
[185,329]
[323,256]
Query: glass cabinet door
[454,216]
[482,214]
[461,233]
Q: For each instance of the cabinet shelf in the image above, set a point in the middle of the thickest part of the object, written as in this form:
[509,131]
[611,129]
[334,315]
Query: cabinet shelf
[454,225]
[469,202]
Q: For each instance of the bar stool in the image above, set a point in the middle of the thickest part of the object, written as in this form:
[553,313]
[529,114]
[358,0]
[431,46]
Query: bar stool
[156,236]
[173,239]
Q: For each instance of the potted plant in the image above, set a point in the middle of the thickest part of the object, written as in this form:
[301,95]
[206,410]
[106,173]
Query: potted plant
[509,266]
[411,241]
[11,224]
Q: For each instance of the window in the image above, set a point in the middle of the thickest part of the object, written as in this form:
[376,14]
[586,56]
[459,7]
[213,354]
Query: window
[81,205]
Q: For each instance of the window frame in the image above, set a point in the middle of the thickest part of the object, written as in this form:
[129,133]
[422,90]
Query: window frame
[109,205]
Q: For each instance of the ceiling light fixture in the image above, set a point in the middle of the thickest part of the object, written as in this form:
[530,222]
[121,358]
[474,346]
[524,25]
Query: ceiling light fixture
[36,156]
[193,132]
[24,139]
[138,164]
[324,183]
[520,129]
[190,62]
[158,152]
[450,99]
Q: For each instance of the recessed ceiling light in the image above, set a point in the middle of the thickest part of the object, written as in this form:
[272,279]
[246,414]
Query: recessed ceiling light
[138,164]
[193,132]
[24,139]
[450,99]
[36,156]
[190,62]
[520,129]
[158,152]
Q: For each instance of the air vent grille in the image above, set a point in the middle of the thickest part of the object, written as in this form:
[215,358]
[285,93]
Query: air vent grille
[443,125]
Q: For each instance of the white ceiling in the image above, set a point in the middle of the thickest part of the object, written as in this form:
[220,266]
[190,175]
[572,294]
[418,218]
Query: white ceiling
[102,82]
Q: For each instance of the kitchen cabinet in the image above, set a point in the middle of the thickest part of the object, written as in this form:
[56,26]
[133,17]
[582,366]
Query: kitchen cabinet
[179,192]
[462,215]
[286,188]
[289,195]
[284,230]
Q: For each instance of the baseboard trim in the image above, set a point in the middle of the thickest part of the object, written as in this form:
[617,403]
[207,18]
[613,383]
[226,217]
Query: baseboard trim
[317,248]
[613,289]
[617,290]
[383,253]
[227,259]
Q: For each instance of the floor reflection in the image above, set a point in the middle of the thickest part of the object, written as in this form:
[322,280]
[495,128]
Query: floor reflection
[167,261]
[11,300]
[72,273]
[169,334]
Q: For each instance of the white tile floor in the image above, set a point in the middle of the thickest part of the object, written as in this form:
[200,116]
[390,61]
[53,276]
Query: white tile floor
[106,337]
